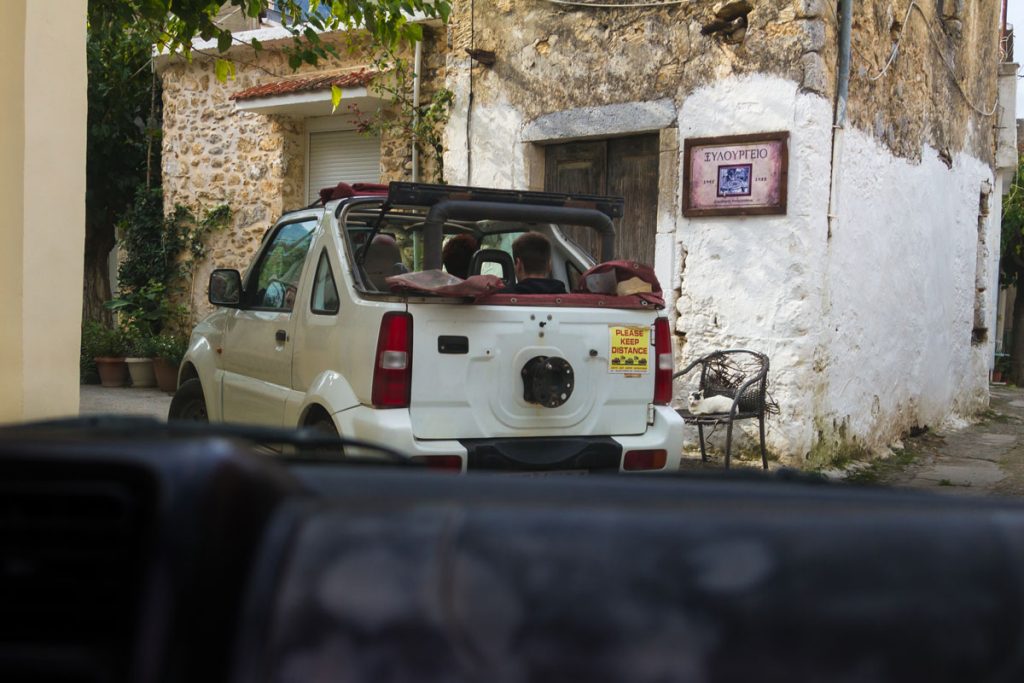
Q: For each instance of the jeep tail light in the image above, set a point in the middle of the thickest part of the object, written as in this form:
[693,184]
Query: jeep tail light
[392,369]
[446,463]
[663,362]
[644,460]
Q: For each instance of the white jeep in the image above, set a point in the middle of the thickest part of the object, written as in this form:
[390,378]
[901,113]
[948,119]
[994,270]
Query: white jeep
[320,332]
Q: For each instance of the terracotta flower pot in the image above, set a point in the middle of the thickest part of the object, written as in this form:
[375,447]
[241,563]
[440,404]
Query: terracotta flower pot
[141,371]
[166,375]
[113,371]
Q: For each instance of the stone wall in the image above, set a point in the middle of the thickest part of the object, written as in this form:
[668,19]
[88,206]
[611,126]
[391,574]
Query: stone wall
[939,89]
[254,163]
[551,57]
[214,155]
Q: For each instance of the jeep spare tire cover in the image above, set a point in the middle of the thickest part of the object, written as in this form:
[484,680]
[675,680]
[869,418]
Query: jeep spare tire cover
[547,381]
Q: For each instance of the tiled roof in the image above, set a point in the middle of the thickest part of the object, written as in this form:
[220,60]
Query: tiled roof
[351,79]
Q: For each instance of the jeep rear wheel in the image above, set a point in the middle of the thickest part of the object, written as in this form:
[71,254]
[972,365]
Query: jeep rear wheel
[325,426]
[189,404]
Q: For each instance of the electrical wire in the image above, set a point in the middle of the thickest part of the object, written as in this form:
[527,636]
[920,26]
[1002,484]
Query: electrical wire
[938,48]
[896,47]
[952,71]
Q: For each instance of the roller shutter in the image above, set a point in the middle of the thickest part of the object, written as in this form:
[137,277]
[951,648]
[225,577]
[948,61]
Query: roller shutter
[341,156]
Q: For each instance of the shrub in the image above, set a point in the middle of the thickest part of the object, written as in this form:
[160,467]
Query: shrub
[147,310]
[100,341]
[161,253]
[171,348]
[140,345]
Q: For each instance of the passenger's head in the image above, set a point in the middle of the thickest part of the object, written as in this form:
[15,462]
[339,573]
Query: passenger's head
[532,254]
[458,253]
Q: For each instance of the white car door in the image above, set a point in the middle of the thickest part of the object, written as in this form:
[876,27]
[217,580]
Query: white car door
[257,347]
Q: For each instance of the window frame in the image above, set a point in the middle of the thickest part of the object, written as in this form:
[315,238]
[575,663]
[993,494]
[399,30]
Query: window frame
[252,278]
[324,257]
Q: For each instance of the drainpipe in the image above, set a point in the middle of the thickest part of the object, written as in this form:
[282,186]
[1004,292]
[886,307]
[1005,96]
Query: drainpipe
[417,63]
[845,24]
[842,93]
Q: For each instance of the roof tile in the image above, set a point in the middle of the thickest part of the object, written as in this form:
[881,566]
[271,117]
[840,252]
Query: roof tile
[351,79]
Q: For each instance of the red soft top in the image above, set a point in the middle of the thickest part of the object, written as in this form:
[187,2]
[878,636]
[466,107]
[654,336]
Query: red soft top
[344,191]
[597,289]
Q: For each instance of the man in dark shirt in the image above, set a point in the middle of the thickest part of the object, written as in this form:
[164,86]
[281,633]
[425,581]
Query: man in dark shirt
[532,254]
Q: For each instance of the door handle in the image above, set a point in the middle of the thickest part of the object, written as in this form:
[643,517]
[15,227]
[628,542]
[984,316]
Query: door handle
[281,336]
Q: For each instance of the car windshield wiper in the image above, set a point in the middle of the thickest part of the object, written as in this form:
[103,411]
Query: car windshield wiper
[304,444]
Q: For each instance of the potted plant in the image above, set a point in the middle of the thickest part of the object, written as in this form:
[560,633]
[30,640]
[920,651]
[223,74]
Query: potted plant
[170,349]
[92,334]
[1001,371]
[141,349]
[107,347]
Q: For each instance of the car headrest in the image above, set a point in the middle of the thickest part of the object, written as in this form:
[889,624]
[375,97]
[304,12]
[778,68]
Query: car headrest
[383,259]
[503,258]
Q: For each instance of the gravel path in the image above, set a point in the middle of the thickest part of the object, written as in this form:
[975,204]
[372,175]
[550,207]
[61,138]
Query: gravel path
[97,400]
[984,458]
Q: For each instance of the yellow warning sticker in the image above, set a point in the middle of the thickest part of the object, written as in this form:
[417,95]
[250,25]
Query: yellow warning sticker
[630,349]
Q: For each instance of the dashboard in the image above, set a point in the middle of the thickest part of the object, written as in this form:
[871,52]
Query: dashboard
[138,554]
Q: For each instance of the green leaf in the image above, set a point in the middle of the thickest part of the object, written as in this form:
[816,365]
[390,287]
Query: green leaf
[116,304]
[335,98]
[253,8]
[413,32]
[224,41]
[224,68]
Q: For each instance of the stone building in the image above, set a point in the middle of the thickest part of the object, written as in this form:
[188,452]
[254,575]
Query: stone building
[870,282]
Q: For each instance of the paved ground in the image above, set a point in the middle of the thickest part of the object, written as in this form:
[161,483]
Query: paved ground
[97,400]
[985,458]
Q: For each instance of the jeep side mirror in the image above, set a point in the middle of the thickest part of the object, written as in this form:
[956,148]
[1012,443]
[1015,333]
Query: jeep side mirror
[225,287]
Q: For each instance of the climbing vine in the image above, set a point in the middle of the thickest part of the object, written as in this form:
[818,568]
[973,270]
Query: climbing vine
[160,255]
[422,122]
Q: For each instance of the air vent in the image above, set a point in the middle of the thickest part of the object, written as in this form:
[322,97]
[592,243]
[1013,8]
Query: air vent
[73,545]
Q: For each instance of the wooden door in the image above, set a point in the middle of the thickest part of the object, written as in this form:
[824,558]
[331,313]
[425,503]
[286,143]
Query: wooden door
[627,167]
[633,174]
[578,168]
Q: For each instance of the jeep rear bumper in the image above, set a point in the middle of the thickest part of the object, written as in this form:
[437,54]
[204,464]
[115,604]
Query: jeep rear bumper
[393,428]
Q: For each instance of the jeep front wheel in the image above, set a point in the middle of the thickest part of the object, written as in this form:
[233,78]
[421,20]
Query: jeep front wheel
[188,403]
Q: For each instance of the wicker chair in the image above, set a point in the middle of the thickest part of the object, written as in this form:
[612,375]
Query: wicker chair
[742,376]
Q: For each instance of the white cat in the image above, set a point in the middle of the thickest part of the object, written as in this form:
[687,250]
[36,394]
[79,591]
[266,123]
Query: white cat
[712,404]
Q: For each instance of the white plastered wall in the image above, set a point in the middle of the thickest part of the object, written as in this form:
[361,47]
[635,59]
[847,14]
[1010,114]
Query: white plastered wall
[869,330]
[757,282]
[901,281]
